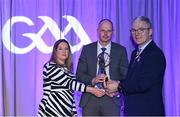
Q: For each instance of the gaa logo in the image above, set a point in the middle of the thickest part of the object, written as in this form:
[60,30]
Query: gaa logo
[36,38]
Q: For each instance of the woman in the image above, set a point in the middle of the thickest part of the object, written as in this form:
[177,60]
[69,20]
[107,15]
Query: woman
[59,84]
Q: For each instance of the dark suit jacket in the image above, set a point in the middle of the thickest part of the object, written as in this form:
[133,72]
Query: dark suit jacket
[143,84]
[87,66]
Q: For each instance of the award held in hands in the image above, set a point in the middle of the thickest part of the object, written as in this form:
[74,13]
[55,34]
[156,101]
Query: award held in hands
[103,60]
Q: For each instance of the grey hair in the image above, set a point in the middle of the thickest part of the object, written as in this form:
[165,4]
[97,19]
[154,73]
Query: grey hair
[144,19]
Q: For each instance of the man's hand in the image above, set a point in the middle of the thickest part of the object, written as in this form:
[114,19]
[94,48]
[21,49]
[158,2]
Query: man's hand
[99,78]
[112,86]
[112,94]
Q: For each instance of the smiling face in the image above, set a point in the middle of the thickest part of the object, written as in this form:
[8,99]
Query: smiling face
[105,31]
[141,32]
[62,52]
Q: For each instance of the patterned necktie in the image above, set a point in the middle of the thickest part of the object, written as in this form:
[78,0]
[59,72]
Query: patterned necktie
[137,58]
[102,62]
[103,51]
[101,69]
[138,53]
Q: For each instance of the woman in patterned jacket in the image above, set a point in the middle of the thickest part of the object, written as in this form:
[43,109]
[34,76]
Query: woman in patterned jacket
[59,84]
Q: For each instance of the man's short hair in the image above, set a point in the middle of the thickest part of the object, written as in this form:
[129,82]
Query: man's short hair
[105,20]
[145,19]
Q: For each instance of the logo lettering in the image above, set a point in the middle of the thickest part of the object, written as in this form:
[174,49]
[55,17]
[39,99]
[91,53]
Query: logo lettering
[37,40]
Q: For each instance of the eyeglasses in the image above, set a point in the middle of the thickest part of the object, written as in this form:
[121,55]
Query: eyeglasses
[140,30]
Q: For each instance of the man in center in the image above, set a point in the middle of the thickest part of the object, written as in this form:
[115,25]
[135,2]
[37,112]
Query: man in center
[91,72]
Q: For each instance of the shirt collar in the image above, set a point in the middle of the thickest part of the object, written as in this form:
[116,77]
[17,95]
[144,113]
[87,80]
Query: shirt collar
[108,47]
[143,46]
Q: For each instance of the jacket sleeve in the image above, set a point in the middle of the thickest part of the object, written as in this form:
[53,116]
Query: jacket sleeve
[68,80]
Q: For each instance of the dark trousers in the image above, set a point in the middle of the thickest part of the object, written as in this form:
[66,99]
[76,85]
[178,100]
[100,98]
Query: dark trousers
[103,106]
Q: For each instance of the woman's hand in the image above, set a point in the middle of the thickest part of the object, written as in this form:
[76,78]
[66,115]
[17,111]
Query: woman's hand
[74,115]
[96,91]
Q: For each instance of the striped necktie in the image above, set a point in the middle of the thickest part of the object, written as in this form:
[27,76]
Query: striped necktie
[101,63]
[138,53]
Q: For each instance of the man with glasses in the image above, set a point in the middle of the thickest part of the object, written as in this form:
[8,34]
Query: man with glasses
[143,84]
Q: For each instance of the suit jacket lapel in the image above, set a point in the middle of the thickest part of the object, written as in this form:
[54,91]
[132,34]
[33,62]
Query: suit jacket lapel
[112,56]
[148,48]
[94,57]
[134,62]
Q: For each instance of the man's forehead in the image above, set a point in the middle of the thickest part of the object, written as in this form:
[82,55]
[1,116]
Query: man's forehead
[138,23]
